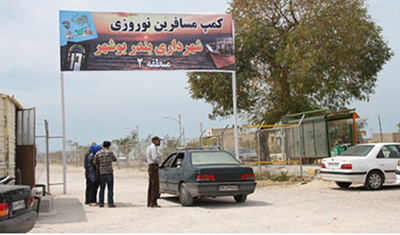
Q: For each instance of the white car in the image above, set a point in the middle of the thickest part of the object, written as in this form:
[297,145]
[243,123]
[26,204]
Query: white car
[245,154]
[398,172]
[368,164]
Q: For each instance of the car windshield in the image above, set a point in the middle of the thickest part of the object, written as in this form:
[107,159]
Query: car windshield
[213,158]
[358,151]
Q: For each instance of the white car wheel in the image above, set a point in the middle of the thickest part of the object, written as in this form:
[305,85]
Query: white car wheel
[374,180]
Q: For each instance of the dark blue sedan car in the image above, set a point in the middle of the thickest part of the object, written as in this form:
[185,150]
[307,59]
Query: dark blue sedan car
[205,173]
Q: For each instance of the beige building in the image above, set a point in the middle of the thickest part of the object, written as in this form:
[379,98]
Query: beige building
[246,139]
[385,137]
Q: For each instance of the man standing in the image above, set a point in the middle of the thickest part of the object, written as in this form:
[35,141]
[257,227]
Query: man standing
[104,159]
[153,159]
[88,182]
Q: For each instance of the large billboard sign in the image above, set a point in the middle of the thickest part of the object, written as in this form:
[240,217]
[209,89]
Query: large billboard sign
[96,41]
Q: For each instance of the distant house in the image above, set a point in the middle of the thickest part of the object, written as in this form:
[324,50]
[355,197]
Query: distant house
[226,138]
[385,137]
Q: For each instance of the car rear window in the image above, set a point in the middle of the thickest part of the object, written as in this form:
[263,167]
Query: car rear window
[213,158]
[358,151]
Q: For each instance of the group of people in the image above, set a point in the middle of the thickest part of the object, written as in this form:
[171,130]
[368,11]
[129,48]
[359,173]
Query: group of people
[99,172]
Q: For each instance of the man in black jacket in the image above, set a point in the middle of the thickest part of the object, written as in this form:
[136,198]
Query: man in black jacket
[86,165]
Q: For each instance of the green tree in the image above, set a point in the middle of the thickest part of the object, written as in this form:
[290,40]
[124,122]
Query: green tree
[296,55]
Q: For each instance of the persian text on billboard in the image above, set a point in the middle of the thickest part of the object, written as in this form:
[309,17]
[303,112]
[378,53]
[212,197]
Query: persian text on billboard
[127,41]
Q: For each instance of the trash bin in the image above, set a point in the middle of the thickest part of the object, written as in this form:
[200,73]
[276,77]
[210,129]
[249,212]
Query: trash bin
[339,149]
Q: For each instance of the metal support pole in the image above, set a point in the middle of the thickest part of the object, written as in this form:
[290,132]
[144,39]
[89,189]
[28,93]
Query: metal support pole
[201,136]
[283,136]
[235,115]
[300,149]
[64,135]
[259,153]
[137,136]
[222,137]
[259,149]
[46,126]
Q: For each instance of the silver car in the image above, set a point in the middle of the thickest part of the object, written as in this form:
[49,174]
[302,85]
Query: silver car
[245,154]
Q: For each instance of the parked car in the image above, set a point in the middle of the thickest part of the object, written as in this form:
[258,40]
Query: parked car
[16,213]
[245,154]
[369,164]
[198,173]
[398,172]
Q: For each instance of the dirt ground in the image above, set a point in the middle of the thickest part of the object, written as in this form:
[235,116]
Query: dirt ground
[315,207]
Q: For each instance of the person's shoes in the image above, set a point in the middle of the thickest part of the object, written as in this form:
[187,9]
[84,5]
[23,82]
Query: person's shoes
[112,205]
[101,205]
[93,204]
[155,206]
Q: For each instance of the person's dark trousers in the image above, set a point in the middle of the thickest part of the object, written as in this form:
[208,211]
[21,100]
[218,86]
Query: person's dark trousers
[109,180]
[93,191]
[154,185]
[87,191]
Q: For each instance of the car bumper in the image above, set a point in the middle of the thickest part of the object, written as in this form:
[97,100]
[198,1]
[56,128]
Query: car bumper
[397,176]
[212,189]
[19,224]
[344,176]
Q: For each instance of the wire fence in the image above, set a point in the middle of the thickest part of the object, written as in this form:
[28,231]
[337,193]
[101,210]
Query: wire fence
[268,151]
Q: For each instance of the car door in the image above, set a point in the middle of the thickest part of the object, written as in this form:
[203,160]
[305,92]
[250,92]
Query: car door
[163,171]
[387,159]
[175,173]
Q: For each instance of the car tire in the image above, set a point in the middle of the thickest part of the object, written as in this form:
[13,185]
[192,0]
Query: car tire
[374,180]
[184,195]
[240,198]
[343,184]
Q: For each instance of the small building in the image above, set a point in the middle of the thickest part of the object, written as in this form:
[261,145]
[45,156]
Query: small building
[311,140]
[226,138]
[385,137]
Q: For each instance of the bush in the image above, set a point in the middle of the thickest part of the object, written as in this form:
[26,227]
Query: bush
[280,177]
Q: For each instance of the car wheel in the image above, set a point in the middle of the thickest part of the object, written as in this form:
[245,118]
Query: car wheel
[184,196]
[343,184]
[374,180]
[240,198]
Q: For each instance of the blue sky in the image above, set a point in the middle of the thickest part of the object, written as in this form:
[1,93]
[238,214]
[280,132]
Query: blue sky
[99,105]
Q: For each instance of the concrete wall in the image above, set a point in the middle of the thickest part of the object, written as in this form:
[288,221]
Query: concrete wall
[386,137]
[246,139]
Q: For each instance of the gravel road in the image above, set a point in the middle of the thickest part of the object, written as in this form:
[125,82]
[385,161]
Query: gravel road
[315,207]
